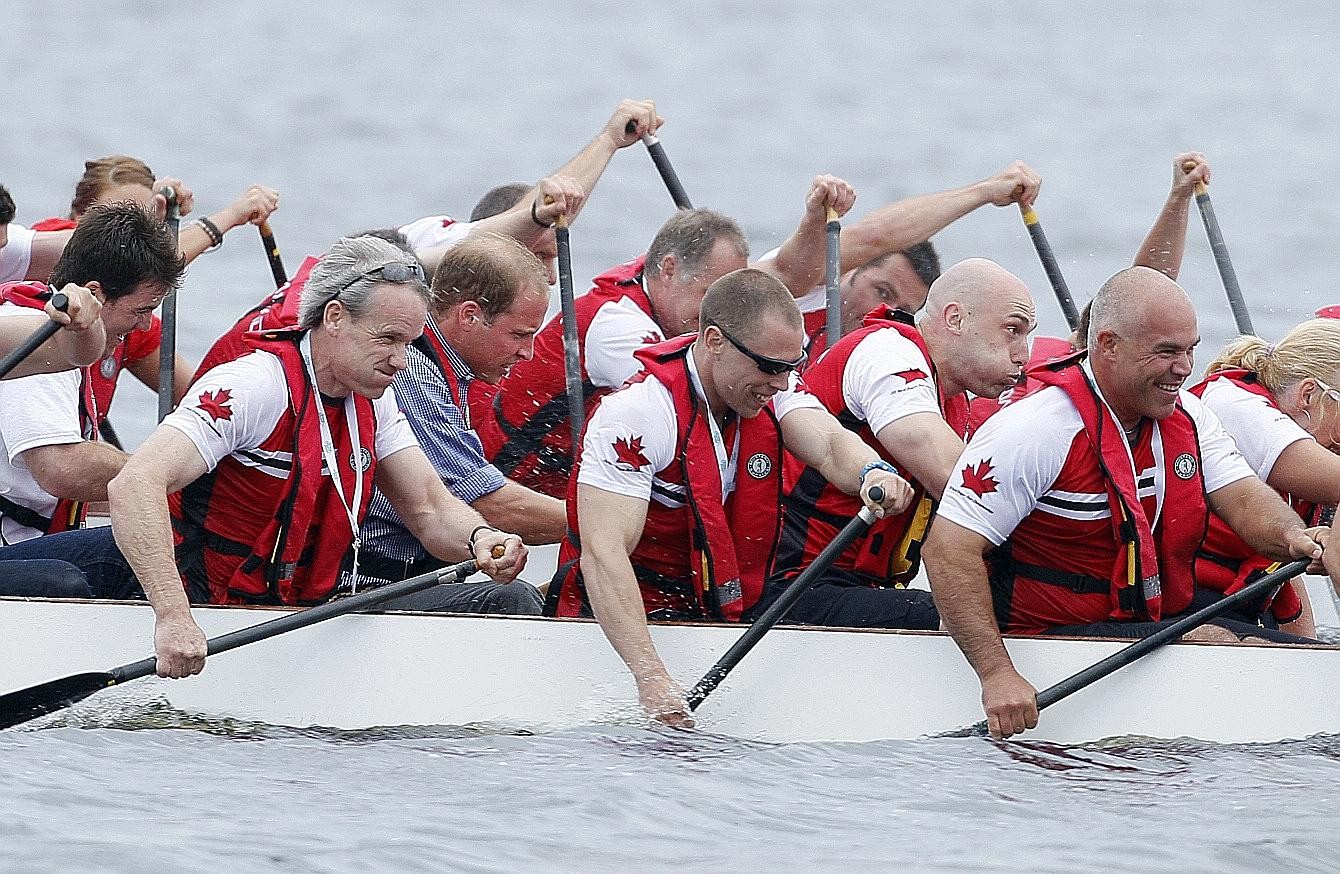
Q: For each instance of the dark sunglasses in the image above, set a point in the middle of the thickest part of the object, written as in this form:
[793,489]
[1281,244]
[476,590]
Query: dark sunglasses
[769,366]
[396,271]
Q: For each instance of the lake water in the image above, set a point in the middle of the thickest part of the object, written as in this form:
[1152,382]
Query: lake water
[368,114]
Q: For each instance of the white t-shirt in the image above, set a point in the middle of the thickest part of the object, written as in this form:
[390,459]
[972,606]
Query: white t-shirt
[887,378]
[435,230]
[233,408]
[1023,448]
[631,438]
[40,410]
[17,254]
[617,330]
[1261,431]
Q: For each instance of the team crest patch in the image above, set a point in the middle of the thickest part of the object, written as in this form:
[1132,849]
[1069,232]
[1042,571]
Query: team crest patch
[1185,466]
[363,461]
[108,367]
[759,466]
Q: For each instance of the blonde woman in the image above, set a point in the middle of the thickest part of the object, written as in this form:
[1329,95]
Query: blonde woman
[1280,403]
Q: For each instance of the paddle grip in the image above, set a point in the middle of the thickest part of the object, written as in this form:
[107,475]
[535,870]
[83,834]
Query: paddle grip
[272,254]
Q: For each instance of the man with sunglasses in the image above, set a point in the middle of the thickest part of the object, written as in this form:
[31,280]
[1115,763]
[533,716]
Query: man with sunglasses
[1080,509]
[903,388]
[677,500]
[267,468]
[524,424]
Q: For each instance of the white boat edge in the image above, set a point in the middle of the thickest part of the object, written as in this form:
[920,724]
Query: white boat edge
[799,684]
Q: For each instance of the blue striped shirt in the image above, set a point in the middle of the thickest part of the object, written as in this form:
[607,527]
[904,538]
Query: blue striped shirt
[441,423]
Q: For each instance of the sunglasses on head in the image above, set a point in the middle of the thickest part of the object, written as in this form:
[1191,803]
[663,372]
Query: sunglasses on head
[396,271]
[769,366]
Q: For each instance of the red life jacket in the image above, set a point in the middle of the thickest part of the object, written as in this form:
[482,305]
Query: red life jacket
[523,421]
[92,410]
[1044,349]
[53,224]
[699,558]
[816,334]
[1151,573]
[245,536]
[815,510]
[1225,562]
[278,310]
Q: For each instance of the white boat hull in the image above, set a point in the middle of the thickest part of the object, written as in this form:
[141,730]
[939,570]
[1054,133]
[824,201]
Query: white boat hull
[799,684]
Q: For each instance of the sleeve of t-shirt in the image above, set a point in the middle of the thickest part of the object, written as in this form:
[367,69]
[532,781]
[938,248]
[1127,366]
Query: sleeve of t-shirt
[629,439]
[1003,471]
[1220,459]
[1261,431]
[40,410]
[16,254]
[886,379]
[435,230]
[617,330]
[794,397]
[234,406]
[393,430]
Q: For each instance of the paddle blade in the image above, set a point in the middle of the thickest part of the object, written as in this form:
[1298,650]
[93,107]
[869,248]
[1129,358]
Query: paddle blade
[25,704]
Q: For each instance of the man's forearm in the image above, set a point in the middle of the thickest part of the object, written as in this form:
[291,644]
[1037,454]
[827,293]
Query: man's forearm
[81,348]
[907,222]
[443,526]
[1165,243]
[538,518]
[143,533]
[800,260]
[76,471]
[617,603]
[587,166]
[963,597]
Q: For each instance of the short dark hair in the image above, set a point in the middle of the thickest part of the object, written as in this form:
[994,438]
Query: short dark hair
[499,200]
[690,235]
[738,302]
[390,235]
[489,269]
[6,206]
[925,260]
[119,246]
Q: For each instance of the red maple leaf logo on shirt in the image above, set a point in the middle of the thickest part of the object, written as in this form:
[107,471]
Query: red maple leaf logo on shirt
[448,222]
[650,337]
[912,374]
[628,454]
[979,478]
[216,404]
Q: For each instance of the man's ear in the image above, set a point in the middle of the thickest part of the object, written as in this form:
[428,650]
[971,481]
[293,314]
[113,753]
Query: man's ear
[95,288]
[953,317]
[1107,342]
[669,267]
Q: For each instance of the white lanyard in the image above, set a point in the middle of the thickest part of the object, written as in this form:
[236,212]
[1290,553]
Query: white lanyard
[328,451]
[725,461]
[1156,443]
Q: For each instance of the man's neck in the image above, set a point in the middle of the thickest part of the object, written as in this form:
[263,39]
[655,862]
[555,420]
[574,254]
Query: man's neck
[945,378]
[718,407]
[326,383]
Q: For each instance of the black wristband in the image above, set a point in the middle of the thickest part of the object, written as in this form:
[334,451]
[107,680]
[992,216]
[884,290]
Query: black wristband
[479,528]
[535,218]
[211,230]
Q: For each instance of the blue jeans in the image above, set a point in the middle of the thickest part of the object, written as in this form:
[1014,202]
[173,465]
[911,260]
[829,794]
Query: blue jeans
[91,550]
[43,578]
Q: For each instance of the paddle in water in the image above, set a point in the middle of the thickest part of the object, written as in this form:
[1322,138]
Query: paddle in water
[35,339]
[1123,657]
[27,704]
[272,254]
[785,601]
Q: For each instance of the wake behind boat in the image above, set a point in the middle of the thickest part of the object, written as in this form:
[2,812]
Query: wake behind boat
[802,684]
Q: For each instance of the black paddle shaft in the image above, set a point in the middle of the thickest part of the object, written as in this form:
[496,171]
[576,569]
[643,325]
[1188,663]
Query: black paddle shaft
[832,269]
[785,601]
[572,358]
[272,254]
[1143,647]
[1241,318]
[167,346]
[1051,266]
[35,339]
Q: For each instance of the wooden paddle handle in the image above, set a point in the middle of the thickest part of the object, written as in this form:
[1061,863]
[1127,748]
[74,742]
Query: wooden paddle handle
[499,551]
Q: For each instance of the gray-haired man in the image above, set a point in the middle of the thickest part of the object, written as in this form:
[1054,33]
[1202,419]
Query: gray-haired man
[238,476]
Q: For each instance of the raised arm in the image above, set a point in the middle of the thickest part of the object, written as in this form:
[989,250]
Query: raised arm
[611,526]
[800,261]
[820,441]
[1165,243]
[955,559]
[914,220]
[254,206]
[443,523]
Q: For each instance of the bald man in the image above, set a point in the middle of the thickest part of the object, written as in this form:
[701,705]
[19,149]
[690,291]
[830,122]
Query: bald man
[1079,509]
[903,390]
